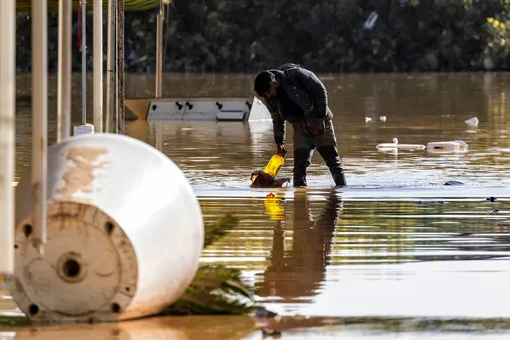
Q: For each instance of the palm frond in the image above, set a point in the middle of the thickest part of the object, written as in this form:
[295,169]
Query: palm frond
[215,290]
[219,229]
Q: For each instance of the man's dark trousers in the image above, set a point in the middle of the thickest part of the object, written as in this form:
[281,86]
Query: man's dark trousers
[304,145]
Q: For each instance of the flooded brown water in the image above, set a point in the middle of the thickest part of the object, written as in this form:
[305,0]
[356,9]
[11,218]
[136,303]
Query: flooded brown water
[395,243]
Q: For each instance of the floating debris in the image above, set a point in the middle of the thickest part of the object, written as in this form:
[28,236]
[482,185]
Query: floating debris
[261,179]
[262,312]
[449,146]
[396,146]
[268,332]
[428,202]
[472,121]
[453,183]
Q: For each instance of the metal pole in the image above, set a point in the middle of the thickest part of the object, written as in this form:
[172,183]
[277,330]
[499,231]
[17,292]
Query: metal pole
[7,126]
[117,42]
[39,120]
[110,63]
[120,86]
[65,18]
[98,65]
[84,62]
[159,50]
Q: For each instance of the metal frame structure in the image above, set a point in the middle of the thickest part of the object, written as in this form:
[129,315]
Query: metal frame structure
[159,51]
[129,5]
[65,18]
[114,88]
[110,59]
[39,119]
[7,127]
[83,4]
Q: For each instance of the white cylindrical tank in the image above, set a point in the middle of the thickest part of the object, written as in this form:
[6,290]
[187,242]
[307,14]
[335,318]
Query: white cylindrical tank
[125,233]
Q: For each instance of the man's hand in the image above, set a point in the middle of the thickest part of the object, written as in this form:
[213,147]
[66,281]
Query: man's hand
[319,126]
[280,150]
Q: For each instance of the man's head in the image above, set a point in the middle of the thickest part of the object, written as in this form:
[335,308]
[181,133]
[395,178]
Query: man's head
[265,84]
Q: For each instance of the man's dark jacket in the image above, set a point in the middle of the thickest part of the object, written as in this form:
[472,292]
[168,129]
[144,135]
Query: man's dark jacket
[305,90]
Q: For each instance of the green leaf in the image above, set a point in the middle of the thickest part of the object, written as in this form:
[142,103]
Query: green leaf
[215,290]
[219,229]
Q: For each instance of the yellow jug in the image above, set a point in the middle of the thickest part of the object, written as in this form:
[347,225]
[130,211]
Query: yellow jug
[274,165]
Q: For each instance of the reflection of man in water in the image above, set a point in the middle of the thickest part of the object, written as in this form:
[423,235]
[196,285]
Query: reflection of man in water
[299,272]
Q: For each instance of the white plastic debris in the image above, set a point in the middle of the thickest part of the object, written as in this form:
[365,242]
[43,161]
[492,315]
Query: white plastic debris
[396,146]
[449,146]
[382,118]
[84,129]
[368,119]
[472,121]
[370,22]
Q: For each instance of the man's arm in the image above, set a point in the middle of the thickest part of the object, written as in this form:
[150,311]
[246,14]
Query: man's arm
[278,123]
[315,89]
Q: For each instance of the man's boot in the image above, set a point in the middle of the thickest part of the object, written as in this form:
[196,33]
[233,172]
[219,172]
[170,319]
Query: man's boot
[302,159]
[338,177]
[334,163]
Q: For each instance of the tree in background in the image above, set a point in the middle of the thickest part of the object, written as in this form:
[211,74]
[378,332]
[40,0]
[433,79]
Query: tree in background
[326,36]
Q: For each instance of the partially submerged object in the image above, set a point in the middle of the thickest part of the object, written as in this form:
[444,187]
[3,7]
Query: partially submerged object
[103,260]
[187,108]
[450,146]
[453,183]
[472,121]
[267,178]
[432,147]
[215,289]
[261,179]
[396,146]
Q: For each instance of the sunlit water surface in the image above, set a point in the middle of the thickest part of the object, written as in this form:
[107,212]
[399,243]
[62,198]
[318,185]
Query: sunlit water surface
[396,242]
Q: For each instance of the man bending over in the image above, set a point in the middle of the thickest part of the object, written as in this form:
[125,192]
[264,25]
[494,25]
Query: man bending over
[294,94]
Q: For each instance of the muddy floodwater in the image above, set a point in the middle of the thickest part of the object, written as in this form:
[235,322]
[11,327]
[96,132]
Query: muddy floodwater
[396,254]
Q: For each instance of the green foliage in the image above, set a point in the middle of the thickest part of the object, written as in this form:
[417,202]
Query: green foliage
[9,320]
[215,289]
[217,230]
[326,36]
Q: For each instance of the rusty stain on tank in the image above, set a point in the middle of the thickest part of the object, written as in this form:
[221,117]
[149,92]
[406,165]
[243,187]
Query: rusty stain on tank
[80,175]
